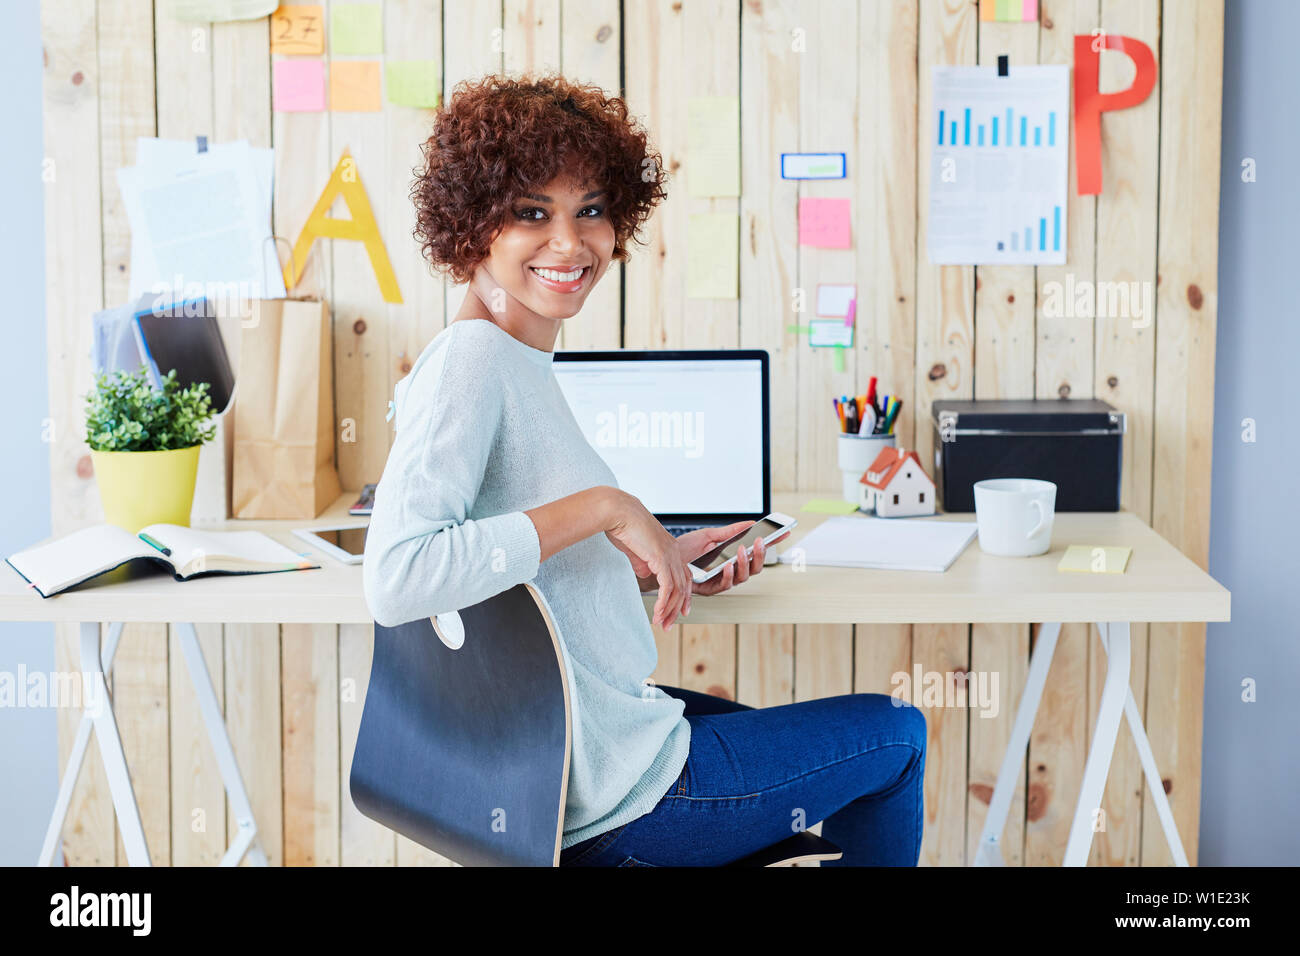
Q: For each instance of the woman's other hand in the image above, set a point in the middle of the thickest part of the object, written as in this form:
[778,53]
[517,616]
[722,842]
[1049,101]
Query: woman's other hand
[655,555]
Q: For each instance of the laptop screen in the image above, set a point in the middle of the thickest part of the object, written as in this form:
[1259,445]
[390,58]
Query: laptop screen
[685,432]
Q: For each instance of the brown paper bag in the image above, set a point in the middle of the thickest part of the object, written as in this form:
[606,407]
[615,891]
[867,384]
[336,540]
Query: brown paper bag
[284,464]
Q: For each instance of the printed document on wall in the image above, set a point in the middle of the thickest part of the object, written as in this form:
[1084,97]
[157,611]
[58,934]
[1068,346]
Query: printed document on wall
[999,166]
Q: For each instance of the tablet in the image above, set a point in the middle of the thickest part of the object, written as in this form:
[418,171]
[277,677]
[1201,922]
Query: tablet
[346,543]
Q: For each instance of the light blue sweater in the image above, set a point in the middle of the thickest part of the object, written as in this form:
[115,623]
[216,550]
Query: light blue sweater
[483,434]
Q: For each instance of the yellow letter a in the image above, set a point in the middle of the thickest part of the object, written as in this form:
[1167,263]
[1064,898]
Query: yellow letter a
[361,226]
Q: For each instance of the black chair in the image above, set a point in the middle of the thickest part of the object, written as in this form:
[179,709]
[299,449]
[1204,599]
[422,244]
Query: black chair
[465,738]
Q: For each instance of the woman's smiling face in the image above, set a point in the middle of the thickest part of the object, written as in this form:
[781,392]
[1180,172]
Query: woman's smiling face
[553,249]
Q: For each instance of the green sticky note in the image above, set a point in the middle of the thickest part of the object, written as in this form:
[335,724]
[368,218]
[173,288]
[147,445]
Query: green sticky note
[713,256]
[830,506]
[1095,559]
[357,28]
[413,82]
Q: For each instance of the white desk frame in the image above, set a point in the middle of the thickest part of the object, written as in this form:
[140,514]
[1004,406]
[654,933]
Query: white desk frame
[1160,585]
[96,669]
[1116,701]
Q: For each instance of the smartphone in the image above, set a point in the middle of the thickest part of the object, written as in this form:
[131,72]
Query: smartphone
[769,529]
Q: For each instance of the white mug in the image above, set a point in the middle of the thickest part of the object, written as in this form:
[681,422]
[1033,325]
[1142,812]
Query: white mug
[1015,515]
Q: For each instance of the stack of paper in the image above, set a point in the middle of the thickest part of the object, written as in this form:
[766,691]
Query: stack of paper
[891,544]
[201,221]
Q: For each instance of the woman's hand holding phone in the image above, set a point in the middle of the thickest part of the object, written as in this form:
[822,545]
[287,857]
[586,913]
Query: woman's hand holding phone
[654,553]
[736,571]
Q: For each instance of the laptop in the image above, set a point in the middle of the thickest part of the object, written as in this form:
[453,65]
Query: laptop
[685,431]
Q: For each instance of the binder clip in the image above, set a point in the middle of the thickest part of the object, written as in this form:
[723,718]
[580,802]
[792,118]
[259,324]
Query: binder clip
[201,142]
[1003,64]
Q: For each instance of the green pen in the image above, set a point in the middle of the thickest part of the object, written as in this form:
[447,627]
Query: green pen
[157,544]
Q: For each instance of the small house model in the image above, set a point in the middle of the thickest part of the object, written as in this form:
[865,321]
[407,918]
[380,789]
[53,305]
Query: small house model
[896,486]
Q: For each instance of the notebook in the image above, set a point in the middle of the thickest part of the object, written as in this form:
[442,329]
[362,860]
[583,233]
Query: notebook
[93,551]
[888,544]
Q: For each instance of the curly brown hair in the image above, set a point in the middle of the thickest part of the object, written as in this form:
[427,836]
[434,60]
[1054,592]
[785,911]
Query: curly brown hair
[498,138]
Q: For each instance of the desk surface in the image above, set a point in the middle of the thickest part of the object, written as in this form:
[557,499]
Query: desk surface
[1161,584]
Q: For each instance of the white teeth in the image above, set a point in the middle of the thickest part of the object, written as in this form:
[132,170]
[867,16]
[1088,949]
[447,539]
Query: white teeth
[559,276]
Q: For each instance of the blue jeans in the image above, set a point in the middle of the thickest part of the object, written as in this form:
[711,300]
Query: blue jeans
[755,776]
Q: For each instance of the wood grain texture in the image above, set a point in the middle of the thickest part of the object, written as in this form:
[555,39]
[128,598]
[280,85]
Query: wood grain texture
[1004,368]
[945,342]
[139,679]
[591,40]
[71,91]
[254,724]
[1186,317]
[769,119]
[363,842]
[310,725]
[241,71]
[834,76]
[1125,376]
[182,54]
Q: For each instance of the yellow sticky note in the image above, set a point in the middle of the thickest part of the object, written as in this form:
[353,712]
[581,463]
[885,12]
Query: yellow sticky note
[354,86]
[830,506]
[413,82]
[713,256]
[1095,559]
[298,29]
[356,29]
[713,146]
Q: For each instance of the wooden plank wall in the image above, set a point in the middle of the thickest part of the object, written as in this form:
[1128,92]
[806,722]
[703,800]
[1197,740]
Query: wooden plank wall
[812,75]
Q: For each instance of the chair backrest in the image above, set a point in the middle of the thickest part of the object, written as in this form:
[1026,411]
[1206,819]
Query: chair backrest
[466,751]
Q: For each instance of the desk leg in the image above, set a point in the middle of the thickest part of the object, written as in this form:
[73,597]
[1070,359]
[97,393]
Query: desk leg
[1154,783]
[246,841]
[1111,709]
[72,770]
[110,748]
[1013,760]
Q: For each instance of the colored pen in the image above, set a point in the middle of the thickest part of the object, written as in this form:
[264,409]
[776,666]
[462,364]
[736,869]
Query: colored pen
[871,392]
[851,419]
[868,426]
[893,414]
[155,543]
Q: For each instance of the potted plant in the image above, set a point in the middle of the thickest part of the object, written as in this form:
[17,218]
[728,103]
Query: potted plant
[144,443]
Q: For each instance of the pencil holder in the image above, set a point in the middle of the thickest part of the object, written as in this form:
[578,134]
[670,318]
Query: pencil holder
[856,453]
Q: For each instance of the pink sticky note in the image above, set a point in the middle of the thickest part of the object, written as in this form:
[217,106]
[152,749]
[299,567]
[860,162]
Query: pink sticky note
[824,223]
[298,86]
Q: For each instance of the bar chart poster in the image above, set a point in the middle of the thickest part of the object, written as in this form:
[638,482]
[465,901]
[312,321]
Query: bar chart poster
[1000,165]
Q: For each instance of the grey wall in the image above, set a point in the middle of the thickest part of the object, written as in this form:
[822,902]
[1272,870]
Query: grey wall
[28,737]
[1250,808]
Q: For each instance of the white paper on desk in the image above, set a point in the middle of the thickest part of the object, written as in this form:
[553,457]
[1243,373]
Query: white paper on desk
[888,544]
[201,222]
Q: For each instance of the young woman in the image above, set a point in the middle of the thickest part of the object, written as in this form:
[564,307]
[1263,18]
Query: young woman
[530,188]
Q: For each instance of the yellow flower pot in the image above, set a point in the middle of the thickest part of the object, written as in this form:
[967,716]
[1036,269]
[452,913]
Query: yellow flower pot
[140,488]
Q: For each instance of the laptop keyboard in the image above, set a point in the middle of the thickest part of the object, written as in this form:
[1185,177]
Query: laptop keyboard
[677,530]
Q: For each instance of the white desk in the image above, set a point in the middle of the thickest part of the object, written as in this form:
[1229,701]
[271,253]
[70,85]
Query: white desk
[1161,584]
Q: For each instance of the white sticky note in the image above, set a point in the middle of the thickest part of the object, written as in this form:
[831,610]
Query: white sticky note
[833,300]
